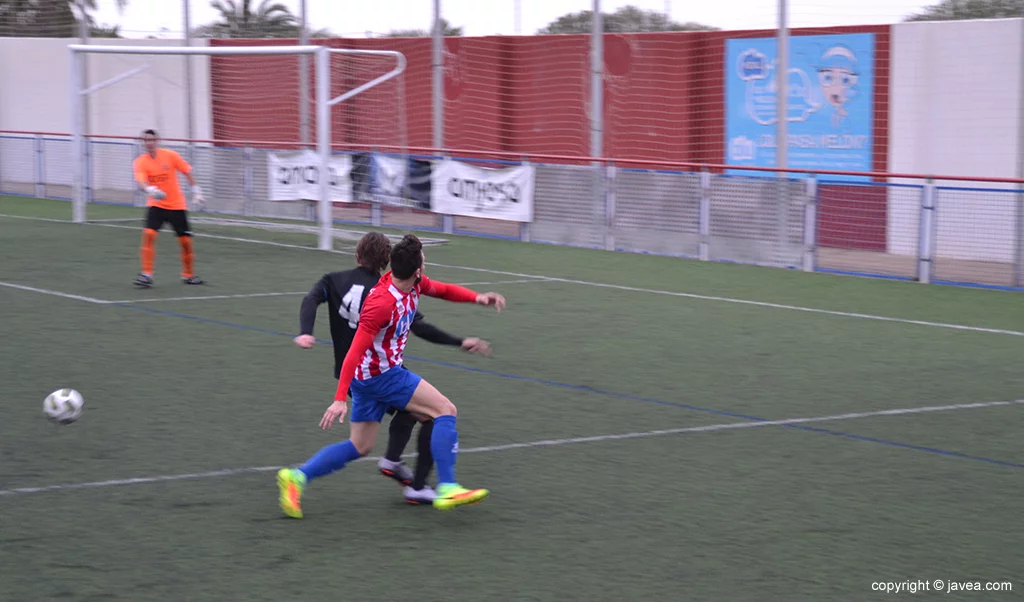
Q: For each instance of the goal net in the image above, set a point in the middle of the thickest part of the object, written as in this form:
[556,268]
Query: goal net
[259,125]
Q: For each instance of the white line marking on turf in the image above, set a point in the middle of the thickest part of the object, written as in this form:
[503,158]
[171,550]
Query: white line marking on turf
[44,291]
[503,282]
[813,310]
[204,298]
[542,443]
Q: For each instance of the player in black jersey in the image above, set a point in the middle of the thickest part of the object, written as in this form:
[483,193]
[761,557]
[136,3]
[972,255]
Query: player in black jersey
[344,293]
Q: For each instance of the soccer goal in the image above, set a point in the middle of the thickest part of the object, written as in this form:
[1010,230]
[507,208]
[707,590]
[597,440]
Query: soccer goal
[279,137]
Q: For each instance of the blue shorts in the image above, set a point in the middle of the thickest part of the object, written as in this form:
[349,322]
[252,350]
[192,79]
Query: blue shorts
[371,398]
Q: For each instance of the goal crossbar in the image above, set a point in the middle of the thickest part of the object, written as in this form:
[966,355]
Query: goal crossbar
[398,70]
[323,102]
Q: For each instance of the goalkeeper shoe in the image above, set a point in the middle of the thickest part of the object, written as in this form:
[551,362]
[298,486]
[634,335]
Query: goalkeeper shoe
[143,281]
[453,495]
[194,280]
[395,470]
[291,482]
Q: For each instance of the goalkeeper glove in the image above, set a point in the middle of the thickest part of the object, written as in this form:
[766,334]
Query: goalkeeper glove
[156,193]
[197,197]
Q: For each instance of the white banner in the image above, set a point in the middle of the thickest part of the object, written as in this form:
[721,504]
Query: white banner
[458,188]
[296,176]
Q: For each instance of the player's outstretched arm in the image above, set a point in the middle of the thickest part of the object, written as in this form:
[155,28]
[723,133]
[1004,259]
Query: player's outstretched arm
[307,313]
[460,294]
[429,332]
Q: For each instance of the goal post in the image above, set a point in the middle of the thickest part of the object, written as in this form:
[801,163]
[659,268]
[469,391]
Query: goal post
[252,104]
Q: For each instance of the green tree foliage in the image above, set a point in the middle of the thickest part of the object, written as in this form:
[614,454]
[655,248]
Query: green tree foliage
[449,32]
[244,19]
[46,18]
[959,10]
[628,19]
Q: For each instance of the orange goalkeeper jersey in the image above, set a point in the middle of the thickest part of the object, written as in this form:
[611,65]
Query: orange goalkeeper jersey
[160,171]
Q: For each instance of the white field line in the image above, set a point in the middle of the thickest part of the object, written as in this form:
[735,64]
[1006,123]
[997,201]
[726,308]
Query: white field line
[205,298]
[43,291]
[503,282]
[813,310]
[531,444]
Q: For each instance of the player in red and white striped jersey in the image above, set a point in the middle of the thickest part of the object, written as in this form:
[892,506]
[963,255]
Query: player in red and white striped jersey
[378,380]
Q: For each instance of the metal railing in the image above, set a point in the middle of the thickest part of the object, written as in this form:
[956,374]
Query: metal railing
[949,229]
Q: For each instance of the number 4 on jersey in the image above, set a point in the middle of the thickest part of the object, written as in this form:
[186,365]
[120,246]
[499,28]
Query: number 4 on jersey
[350,305]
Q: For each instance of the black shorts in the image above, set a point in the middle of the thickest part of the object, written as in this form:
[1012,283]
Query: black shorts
[156,217]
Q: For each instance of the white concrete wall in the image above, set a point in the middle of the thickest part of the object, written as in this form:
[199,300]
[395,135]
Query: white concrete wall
[954,109]
[35,96]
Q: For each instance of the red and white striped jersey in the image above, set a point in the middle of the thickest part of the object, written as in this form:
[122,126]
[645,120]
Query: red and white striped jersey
[392,311]
[384,325]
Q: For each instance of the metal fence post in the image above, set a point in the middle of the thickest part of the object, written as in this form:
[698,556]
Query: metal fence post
[609,206]
[926,237]
[1018,272]
[810,224]
[138,197]
[247,181]
[704,216]
[524,227]
[376,195]
[437,95]
[87,142]
[39,169]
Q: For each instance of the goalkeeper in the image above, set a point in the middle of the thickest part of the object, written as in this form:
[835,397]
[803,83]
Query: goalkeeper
[156,174]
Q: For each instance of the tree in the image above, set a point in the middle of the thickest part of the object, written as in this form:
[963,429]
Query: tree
[239,19]
[958,10]
[627,19]
[104,31]
[446,27]
[46,18]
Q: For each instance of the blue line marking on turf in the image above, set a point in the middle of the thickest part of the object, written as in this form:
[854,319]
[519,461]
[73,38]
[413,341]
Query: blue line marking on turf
[583,389]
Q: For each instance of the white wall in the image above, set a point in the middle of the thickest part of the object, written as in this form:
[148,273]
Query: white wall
[954,109]
[35,96]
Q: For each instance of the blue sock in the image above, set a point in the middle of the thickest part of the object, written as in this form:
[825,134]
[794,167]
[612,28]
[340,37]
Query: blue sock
[444,444]
[329,459]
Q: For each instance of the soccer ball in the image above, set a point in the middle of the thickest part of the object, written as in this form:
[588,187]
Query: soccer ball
[64,406]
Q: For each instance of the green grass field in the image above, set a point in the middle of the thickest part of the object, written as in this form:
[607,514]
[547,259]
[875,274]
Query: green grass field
[620,426]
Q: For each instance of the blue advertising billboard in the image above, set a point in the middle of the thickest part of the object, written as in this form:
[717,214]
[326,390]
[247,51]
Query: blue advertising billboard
[830,102]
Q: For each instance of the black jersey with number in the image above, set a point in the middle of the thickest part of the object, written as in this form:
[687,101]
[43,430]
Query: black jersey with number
[344,293]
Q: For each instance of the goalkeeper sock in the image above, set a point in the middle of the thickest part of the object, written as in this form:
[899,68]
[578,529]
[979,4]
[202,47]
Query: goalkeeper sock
[329,459]
[444,444]
[187,256]
[148,250]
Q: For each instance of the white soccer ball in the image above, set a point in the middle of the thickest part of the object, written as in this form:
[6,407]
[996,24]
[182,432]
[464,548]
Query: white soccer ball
[64,406]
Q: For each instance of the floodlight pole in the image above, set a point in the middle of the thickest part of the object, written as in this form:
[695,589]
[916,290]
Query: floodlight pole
[597,82]
[437,95]
[1018,259]
[190,126]
[303,76]
[782,89]
[77,139]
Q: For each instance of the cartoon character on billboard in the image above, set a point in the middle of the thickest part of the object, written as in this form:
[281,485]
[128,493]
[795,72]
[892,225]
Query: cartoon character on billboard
[838,78]
[760,76]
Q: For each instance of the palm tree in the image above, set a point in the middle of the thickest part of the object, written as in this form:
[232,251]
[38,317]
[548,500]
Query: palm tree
[239,19]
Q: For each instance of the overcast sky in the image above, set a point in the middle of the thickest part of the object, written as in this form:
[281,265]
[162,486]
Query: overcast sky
[488,17]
